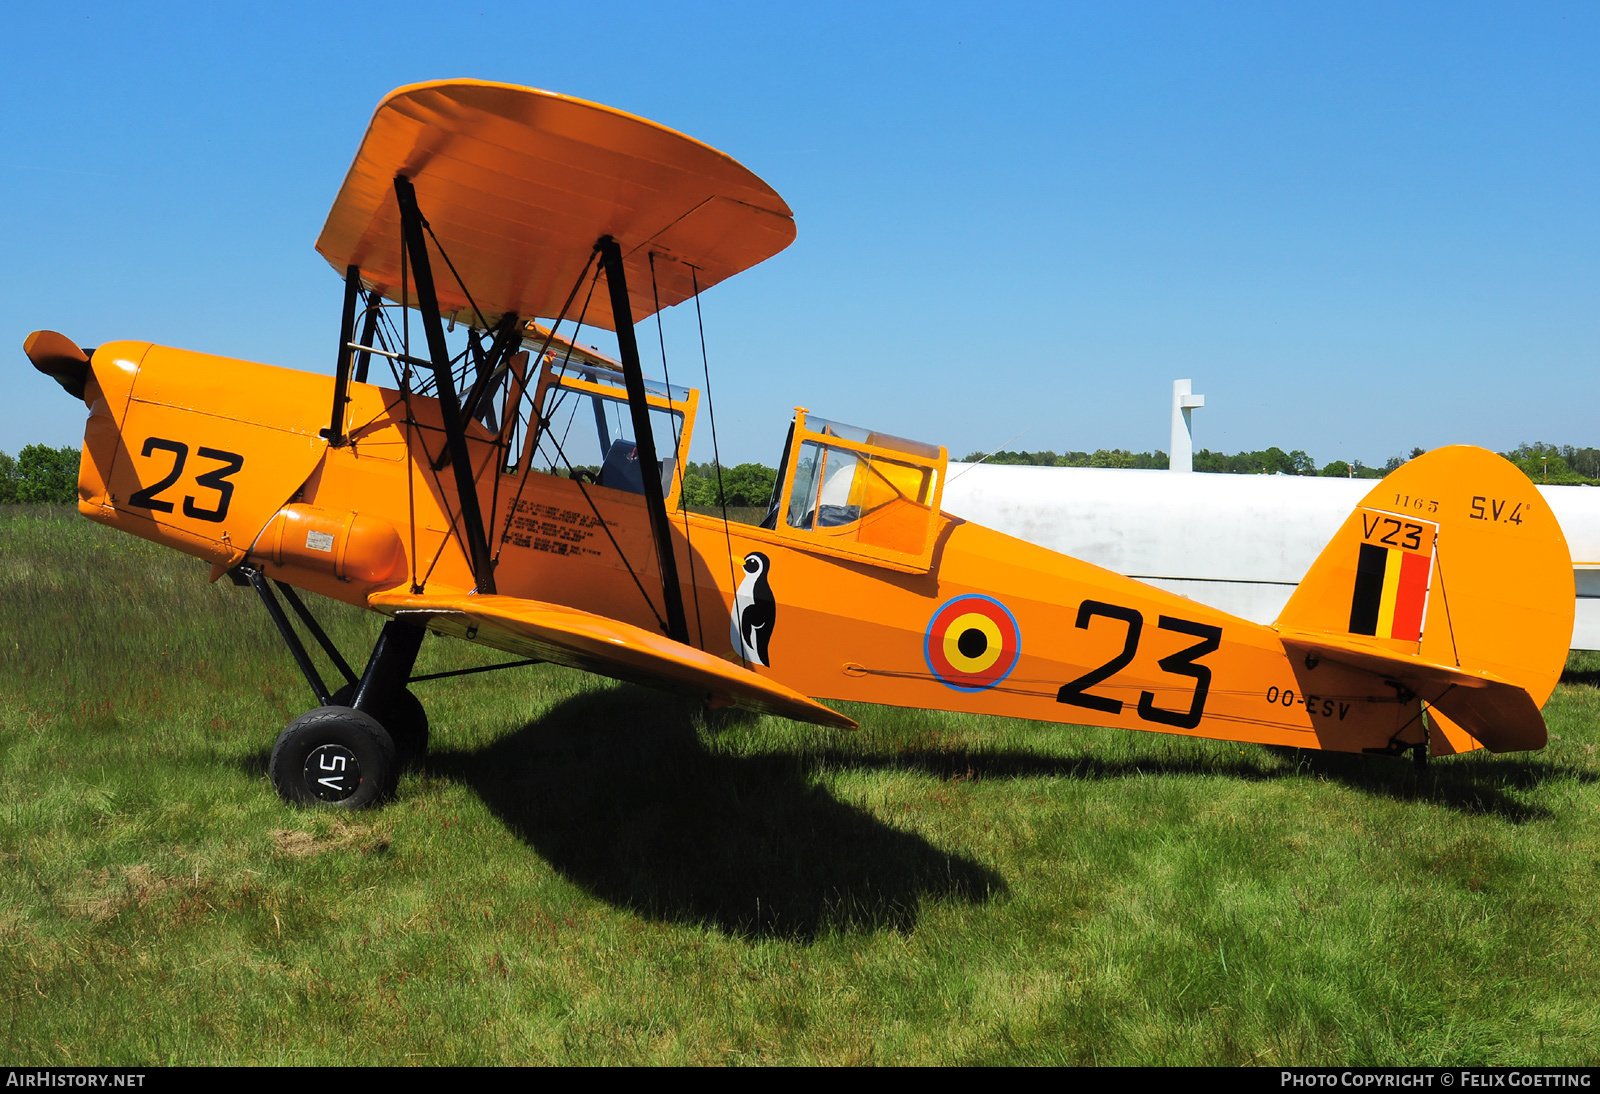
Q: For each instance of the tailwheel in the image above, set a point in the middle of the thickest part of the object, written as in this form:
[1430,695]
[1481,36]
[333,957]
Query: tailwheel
[336,756]
[403,716]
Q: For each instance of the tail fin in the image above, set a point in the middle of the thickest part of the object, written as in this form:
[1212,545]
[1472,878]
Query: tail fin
[1452,570]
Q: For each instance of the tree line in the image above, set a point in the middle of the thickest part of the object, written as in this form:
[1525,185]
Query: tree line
[41,474]
[743,485]
[1268,461]
[1560,464]
[1564,464]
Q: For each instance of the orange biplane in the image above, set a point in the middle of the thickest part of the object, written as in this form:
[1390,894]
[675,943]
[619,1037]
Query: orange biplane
[523,493]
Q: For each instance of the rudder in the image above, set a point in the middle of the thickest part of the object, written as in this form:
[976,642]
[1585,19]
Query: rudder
[1454,558]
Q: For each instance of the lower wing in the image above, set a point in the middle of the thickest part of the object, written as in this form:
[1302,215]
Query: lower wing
[583,640]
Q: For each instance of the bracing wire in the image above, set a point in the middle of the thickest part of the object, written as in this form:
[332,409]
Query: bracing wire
[482,322]
[411,420]
[606,528]
[455,519]
[1455,651]
[582,489]
[403,379]
[662,338]
[405,301]
[566,360]
[411,491]
[716,453]
[511,510]
[544,348]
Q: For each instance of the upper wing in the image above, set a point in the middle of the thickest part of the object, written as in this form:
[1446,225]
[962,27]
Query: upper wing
[518,184]
[583,640]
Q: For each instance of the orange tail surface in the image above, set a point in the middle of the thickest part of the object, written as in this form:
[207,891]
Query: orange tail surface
[1453,578]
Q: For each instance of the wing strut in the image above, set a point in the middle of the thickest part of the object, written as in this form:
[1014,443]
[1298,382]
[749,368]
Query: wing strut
[369,331]
[341,372]
[639,406]
[444,380]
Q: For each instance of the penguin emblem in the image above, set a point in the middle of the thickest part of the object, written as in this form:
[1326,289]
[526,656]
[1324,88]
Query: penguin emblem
[750,627]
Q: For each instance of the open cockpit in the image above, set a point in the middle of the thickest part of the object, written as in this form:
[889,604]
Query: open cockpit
[840,489]
[859,492]
[582,426]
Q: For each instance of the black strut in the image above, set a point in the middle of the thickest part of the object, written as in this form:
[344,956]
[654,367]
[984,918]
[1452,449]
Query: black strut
[256,578]
[472,528]
[639,407]
[369,331]
[317,632]
[389,667]
[341,371]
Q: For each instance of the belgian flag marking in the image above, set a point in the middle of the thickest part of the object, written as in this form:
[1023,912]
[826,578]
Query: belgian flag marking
[1394,572]
[972,643]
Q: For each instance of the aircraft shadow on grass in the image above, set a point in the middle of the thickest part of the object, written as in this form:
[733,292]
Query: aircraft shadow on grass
[616,789]
[1470,785]
[1580,677]
[1474,784]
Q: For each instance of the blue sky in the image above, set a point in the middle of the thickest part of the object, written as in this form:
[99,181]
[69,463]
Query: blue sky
[1358,228]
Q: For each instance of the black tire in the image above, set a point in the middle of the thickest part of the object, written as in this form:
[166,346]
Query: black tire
[405,719]
[334,756]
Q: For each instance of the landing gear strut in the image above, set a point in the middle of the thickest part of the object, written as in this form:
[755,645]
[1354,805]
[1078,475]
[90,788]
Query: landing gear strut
[404,718]
[349,750]
[381,693]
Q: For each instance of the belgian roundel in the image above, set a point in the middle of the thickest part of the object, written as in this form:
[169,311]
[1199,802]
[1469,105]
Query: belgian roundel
[972,643]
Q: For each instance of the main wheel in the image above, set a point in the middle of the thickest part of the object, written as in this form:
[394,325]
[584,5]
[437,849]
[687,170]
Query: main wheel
[405,719]
[334,756]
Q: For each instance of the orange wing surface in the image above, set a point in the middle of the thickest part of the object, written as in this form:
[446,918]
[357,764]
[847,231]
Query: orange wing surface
[582,640]
[517,184]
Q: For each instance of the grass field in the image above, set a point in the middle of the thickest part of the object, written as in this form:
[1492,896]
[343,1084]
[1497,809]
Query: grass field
[586,872]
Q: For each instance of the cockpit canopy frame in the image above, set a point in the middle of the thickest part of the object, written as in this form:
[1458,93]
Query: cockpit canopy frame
[602,384]
[860,494]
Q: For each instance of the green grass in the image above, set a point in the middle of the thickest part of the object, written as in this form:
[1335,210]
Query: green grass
[586,872]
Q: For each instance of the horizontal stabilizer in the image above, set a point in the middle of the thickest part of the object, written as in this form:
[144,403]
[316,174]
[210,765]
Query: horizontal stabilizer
[582,640]
[1501,715]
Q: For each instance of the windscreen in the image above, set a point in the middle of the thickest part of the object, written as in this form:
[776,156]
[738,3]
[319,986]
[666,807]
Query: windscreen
[881,498]
[592,436]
